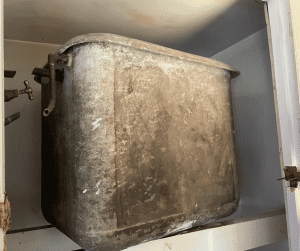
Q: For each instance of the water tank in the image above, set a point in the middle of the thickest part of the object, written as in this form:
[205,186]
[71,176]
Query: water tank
[140,144]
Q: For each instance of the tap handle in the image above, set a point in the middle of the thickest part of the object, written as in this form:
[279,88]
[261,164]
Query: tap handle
[27,90]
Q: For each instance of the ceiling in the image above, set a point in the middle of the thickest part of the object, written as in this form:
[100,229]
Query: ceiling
[203,27]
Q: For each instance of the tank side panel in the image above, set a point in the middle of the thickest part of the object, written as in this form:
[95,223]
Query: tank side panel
[79,172]
[89,100]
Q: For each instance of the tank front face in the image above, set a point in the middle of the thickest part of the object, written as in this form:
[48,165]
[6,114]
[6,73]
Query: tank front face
[174,142]
[143,147]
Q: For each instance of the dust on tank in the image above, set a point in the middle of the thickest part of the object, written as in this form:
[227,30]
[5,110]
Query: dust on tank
[137,141]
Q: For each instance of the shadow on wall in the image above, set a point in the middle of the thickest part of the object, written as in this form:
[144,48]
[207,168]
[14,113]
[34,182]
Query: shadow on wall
[214,38]
[257,150]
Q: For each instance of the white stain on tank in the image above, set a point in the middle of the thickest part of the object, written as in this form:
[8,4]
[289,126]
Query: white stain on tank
[96,124]
[97,192]
[98,183]
[184,226]
[151,198]
[84,191]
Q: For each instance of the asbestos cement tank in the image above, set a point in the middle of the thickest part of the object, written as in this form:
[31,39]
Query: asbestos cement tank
[140,143]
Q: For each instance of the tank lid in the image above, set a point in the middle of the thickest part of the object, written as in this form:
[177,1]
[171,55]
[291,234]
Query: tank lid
[145,46]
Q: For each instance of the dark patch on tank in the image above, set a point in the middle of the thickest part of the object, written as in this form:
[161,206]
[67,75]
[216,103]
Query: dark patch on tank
[130,89]
[159,227]
[147,195]
[164,190]
[188,109]
[181,109]
[135,155]
[195,136]
[203,138]
[163,123]
[110,208]
[104,45]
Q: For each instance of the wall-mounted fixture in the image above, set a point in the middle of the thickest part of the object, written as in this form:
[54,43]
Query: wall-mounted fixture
[291,175]
[11,94]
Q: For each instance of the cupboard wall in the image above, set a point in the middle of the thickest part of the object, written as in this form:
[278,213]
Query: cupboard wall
[23,136]
[255,128]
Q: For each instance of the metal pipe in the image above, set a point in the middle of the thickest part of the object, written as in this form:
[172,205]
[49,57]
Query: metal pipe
[51,61]
[12,118]
[40,72]
[10,94]
[27,90]
[9,74]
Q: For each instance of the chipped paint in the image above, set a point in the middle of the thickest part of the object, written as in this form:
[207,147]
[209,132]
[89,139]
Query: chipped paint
[5,214]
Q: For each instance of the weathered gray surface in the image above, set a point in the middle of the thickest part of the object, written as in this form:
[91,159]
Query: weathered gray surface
[145,46]
[142,146]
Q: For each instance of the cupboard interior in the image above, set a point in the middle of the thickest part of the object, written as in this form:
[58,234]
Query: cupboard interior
[257,151]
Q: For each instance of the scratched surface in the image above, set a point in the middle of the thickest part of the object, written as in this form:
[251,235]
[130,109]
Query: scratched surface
[141,147]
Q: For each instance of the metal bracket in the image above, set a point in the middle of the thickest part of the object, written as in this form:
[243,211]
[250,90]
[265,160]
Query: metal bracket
[291,175]
[54,59]
[52,70]
[9,74]
[44,72]
[5,213]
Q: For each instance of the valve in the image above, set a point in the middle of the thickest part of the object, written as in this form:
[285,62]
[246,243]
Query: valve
[27,90]
[11,94]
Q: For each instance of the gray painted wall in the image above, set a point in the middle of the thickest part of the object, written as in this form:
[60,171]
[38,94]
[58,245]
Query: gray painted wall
[255,127]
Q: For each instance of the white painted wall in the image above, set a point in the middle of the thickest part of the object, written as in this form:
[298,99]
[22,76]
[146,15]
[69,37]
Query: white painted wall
[23,136]
[23,152]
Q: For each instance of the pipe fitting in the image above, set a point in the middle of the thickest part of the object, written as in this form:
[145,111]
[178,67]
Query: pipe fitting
[51,62]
